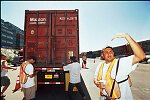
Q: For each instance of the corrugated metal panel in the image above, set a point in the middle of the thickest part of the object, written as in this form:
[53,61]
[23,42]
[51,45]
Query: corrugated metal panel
[50,35]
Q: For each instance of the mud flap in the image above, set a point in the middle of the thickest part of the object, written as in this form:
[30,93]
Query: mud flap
[67,78]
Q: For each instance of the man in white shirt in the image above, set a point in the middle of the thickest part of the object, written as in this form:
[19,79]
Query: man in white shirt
[75,79]
[29,87]
[126,66]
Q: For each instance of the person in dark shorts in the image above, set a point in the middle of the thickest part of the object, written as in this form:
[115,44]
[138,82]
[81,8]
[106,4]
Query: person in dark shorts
[5,81]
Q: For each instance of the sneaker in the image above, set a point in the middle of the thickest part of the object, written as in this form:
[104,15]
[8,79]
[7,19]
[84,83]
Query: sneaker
[3,95]
[84,98]
[2,98]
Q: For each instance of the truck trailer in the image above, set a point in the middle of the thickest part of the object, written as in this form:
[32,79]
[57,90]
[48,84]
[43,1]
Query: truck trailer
[52,36]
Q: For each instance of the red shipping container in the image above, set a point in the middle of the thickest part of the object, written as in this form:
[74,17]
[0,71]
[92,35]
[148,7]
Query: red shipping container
[51,36]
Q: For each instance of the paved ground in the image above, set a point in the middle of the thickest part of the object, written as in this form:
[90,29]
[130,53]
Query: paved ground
[88,75]
[140,81]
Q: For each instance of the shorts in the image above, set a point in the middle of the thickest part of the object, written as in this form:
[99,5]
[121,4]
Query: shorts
[84,61]
[5,81]
[29,93]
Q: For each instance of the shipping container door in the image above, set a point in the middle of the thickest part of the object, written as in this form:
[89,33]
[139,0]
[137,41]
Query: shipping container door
[65,36]
[38,37]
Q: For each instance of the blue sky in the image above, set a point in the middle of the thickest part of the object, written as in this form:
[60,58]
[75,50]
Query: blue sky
[99,21]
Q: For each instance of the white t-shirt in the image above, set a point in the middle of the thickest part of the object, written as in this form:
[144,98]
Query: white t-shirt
[74,70]
[84,58]
[125,67]
[30,82]
[3,70]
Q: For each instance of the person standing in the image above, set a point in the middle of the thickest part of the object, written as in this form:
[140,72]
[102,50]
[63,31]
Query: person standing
[75,79]
[84,58]
[5,81]
[28,87]
[126,66]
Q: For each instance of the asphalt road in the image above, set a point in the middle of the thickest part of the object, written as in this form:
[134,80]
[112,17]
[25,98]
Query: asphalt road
[140,85]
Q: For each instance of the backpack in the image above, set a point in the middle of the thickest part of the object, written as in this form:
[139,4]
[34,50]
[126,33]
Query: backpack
[23,76]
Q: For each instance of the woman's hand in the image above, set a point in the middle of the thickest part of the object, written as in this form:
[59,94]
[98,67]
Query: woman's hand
[14,68]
